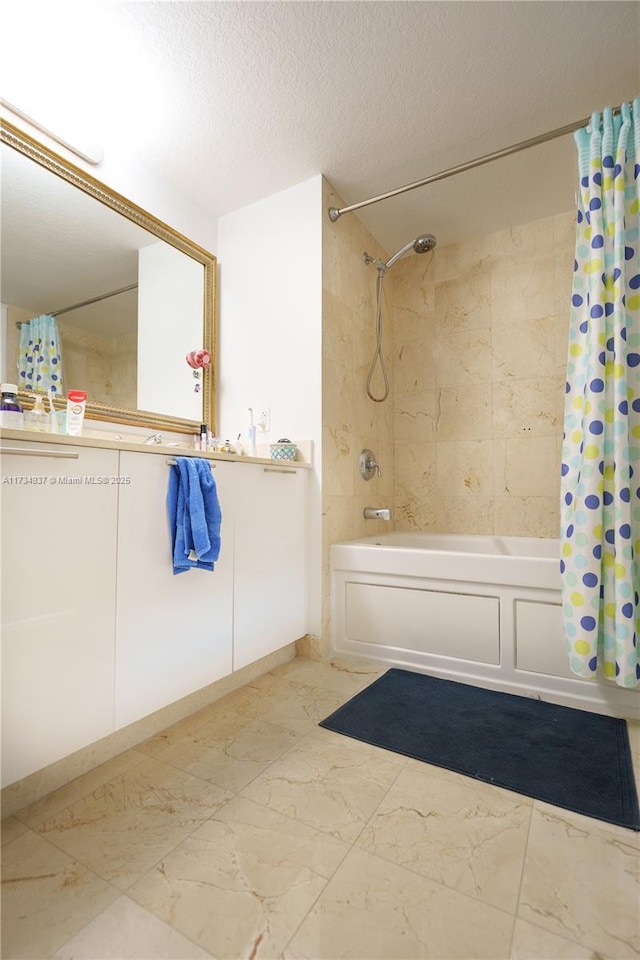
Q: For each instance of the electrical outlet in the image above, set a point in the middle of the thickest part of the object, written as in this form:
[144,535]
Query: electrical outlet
[263,418]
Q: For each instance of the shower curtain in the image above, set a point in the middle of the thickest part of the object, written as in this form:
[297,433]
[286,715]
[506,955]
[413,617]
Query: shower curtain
[39,360]
[600,476]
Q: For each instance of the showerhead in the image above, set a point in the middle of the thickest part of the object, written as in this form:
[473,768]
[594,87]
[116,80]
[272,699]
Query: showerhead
[424,243]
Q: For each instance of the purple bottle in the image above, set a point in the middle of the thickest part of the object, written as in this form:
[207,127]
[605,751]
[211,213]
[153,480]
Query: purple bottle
[11,414]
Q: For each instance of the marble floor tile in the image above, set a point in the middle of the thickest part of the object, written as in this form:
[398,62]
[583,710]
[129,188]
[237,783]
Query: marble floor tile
[47,897]
[375,910]
[297,707]
[243,882]
[36,813]
[328,783]
[124,929]
[125,826]
[532,943]
[466,834]
[229,752]
[581,881]
[10,828]
[344,675]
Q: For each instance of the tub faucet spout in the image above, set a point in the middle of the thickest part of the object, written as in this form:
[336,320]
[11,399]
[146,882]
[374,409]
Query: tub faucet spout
[377,513]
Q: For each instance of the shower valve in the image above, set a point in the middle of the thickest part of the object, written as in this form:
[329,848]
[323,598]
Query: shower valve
[369,465]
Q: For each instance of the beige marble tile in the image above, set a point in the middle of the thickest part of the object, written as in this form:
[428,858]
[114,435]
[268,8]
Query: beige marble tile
[228,751]
[524,241]
[526,408]
[341,674]
[124,929]
[410,283]
[581,882]
[522,291]
[465,305]
[464,468]
[337,520]
[457,260]
[564,232]
[414,325]
[415,416]
[468,835]
[463,357]
[562,324]
[527,467]
[337,373]
[126,825]
[11,828]
[415,476]
[337,451]
[331,785]
[242,883]
[526,516]
[47,897]
[414,367]
[375,910]
[464,515]
[524,351]
[38,812]
[464,413]
[532,943]
[297,707]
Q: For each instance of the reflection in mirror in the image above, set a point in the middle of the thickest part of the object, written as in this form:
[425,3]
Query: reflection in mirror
[130,296]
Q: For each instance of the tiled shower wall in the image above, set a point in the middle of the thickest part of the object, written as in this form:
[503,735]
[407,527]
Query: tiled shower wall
[475,340]
[479,354]
[351,422]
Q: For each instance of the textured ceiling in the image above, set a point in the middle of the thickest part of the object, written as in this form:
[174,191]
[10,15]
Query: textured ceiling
[234,101]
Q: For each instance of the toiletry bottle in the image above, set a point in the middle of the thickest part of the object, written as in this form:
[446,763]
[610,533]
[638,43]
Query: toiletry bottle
[11,413]
[36,418]
[76,404]
[203,437]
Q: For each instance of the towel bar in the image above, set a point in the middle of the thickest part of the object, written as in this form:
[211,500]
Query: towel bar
[173,463]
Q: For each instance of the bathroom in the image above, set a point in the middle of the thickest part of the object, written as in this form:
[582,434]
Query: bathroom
[451,461]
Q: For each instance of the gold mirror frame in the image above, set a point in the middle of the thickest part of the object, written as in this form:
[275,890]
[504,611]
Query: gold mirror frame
[22,142]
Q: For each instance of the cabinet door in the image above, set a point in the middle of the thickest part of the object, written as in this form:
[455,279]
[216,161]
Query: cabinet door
[270,584]
[58,601]
[173,631]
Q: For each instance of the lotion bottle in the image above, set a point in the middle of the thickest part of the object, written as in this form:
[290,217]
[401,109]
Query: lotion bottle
[37,418]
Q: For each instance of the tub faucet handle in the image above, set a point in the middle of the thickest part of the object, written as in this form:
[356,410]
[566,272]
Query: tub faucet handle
[377,513]
[369,466]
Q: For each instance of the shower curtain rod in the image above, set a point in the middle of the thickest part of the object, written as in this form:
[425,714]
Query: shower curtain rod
[335,213]
[85,303]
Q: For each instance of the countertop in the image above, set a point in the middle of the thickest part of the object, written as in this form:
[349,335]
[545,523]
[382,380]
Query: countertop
[165,449]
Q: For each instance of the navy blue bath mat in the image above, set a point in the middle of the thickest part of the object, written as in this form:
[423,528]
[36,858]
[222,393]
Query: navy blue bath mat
[571,758]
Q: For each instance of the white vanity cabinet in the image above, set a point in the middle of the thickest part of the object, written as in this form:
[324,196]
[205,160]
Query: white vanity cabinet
[270,582]
[58,601]
[174,632]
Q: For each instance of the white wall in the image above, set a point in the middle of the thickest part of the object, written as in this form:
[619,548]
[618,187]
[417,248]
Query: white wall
[170,311]
[270,334]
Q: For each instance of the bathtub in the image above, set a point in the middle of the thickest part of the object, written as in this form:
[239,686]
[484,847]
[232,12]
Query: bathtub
[481,610]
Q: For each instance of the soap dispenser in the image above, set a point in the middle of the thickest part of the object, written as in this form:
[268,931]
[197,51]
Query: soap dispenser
[37,418]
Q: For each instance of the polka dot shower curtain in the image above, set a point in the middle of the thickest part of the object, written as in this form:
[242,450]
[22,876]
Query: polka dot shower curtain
[600,485]
[39,362]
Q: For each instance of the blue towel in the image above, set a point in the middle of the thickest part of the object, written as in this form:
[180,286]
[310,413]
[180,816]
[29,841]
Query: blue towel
[194,515]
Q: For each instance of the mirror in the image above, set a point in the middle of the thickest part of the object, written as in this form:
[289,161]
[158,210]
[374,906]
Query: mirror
[131,296]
